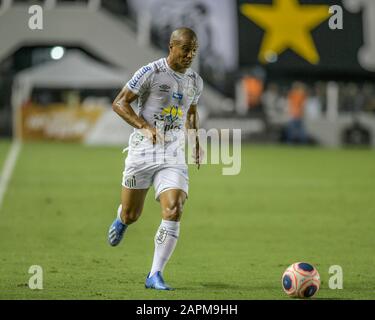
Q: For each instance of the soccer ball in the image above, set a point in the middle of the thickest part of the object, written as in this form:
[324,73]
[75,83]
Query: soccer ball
[301,280]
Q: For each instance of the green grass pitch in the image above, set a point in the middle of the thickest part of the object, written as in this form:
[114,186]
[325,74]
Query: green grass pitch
[238,233]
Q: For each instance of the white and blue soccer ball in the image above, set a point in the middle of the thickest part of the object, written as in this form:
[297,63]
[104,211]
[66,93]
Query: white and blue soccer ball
[301,279]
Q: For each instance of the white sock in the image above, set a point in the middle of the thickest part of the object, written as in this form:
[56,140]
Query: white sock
[165,242]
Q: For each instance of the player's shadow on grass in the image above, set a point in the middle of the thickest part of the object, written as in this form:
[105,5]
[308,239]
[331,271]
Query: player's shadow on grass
[317,298]
[223,286]
[218,286]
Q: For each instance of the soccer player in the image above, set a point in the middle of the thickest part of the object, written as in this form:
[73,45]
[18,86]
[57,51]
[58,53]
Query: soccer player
[168,92]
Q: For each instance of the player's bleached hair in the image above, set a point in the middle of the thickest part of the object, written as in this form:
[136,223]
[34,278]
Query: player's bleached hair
[181,34]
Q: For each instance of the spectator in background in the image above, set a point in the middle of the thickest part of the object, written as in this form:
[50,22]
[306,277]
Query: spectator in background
[296,103]
[353,99]
[253,88]
[274,105]
[369,95]
[321,92]
[313,108]
[269,100]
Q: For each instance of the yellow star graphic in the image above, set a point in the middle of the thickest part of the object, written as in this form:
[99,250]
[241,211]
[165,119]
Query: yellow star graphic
[288,25]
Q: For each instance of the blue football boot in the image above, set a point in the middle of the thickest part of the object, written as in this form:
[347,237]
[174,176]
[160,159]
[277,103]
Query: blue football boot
[156,282]
[116,232]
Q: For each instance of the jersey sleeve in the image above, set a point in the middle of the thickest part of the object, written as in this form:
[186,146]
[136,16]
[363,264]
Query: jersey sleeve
[198,91]
[141,80]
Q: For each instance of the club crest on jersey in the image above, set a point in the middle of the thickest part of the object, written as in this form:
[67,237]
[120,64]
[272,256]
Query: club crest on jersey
[191,92]
[130,182]
[177,95]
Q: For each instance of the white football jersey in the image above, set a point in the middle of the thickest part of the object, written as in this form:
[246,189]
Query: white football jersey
[164,99]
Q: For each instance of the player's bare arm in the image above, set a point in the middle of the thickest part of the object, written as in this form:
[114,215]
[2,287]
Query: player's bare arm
[192,125]
[121,105]
[192,120]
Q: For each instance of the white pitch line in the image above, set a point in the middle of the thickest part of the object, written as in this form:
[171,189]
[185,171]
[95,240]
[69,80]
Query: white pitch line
[7,171]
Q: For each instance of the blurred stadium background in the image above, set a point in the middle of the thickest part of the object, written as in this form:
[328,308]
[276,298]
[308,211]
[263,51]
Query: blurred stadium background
[312,202]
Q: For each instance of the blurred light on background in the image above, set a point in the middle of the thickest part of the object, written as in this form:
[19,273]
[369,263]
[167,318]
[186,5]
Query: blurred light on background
[57,53]
[271,57]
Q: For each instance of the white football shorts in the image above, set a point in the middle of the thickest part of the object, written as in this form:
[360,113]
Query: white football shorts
[163,176]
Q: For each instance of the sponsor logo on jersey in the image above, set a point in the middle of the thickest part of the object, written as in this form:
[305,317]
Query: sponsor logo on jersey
[172,113]
[164,88]
[138,76]
[169,118]
[177,95]
[130,182]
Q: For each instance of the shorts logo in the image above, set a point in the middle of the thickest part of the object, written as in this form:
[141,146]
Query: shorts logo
[160,238]
[136,140]
[138,76]
[164,88]
[130,182]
